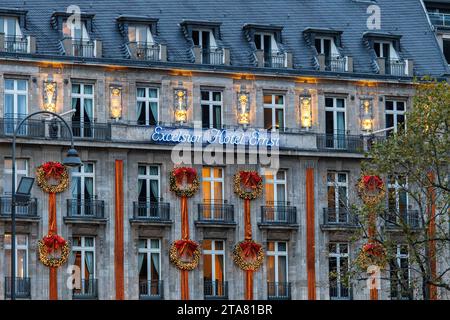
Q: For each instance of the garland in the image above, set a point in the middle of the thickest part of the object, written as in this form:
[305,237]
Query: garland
[51,244]
[55,170]
[372,253]
[178,176]
[371,189]
[248,255]
[250,180]
[184,248]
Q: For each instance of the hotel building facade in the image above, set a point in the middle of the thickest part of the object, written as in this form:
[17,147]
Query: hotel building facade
[316,74]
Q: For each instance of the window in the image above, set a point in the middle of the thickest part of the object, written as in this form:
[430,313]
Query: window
[21,256]
[213,267]
[140,34]
[147,106]
[275,187]
[149,266]
[335,127]
[205,40]
[277,272]
[211,103]
[83,256]
[16,104]
[338,271]
[446,48]
[148,183]
[76,31]
[21,171]
[83,187]
[383,49]
[273,111]
[83,103]
[337,194]
[266,42]
[10,26]
[395,115]
[399,273]
[397,199]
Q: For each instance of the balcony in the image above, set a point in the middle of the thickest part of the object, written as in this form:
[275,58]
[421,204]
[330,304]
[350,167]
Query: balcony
[335,63]
[395,67]
[151,290]
[408,218]
[144,50]
[85,211]
[340,292]
[215,290]
[440,19]
[23,211]
[16,44]
[338,219]
[215,214]
[30,128]
[274,59]
[340,143]
[212,56]
[23,288]
[88,290]
[153,212]
[278,290]
[83,48]
[278,215]
[88,131]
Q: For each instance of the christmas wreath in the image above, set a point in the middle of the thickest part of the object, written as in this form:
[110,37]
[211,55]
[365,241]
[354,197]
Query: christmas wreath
[250,180]
[371,189]
[185,254]
[371,254]
[53,250]
[52,171]
[248,255]
[187,177]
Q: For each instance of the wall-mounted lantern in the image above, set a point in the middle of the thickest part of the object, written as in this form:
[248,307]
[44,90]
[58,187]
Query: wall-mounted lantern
[306,110]
[366,114]
[50,94]
[243,108]
[180,104]
[116,102]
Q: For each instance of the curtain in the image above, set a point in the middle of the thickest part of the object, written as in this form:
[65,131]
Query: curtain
[153,114]
[155,266]
[282,269]
[340,123]
[141,257]
[279,119]
[154,192]
[141,190]
[89,260]
[140,106]
[217,115]
[88,188]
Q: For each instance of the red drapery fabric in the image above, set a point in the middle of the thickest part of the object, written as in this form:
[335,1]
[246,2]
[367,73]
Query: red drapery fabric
[52,229]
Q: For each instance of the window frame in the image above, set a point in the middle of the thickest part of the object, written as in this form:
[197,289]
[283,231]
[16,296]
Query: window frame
[18,247]
[338,255]
[148,251]
[335,110]
[19,172]
[395,113]
[148,178]
[82,248]
[275,182]
[336,184]
[210,104]
[212,180]
[276,254]
[213,252]
[274,107]
[147,101]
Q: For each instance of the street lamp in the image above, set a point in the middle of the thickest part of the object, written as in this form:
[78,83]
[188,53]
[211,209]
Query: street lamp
[72,160]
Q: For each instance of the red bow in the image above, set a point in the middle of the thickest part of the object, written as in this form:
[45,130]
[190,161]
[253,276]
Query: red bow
[53,169]
[250,249]
[250,179]
[372,182]
[186,247]
[53,242]
[180,173]
[373,249]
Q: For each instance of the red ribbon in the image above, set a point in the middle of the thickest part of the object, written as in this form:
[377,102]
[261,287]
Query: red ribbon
[250,179]
[53,242]
[250,249]
[372,182]
[186,247]
[373,249]
[53,170]
[181,172]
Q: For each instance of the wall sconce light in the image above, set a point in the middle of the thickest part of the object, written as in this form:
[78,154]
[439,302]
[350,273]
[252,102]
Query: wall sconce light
[180,101]
[116,102]
[50,94]
[306,110]
[243,108]
[366,114]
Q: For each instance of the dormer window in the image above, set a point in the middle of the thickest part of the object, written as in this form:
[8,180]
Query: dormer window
[333,59]
[13,39]
[265,42]
[82,46]
[204,39]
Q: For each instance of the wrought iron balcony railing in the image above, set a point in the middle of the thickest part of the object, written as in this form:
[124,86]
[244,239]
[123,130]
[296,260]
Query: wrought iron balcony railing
[395,67]
[340,142]
[340,292]
[83,48]
[215,289]
[22,285]
[16,44]
[151,211]
[335,63]
[28,210]
[278,290]
[216,212]
[88,130]
[278,213]
[30,128]
[398,219]
[146,51]
[339,217]
[439,19]
[88,289]
[212,56]
[274,59]
[151,290]
[85,208]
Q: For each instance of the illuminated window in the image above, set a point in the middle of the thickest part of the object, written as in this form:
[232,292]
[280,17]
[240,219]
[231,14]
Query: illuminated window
[275,187]
[83,256]
[21,256]
[277,269]
[213,267]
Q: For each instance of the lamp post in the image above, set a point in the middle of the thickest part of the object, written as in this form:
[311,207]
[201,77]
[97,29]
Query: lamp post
[72,160]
